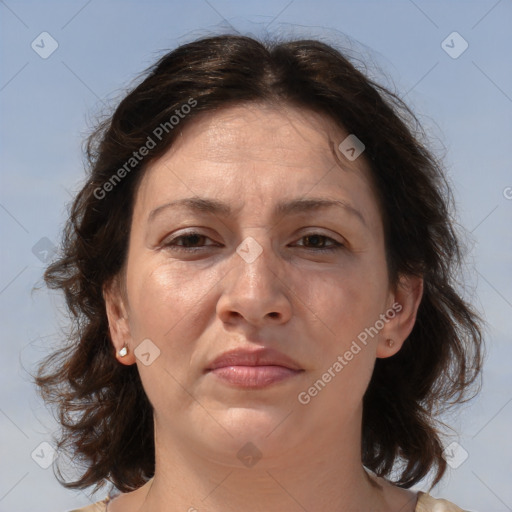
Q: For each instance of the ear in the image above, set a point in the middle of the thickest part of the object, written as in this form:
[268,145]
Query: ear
[401,314]
[117,314]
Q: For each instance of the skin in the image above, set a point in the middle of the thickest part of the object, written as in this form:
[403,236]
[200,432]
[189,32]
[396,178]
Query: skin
[309,304]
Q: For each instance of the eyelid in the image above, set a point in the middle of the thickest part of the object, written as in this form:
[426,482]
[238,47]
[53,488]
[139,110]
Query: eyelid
[184,234]
[333,243]
[312,230]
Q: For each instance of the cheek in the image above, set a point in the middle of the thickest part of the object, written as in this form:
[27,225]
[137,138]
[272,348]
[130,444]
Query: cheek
[166,299]
[345,301]
[346,308]
[352,304]
[341,391]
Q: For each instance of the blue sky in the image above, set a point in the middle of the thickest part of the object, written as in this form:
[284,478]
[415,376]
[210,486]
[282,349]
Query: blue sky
[48,104]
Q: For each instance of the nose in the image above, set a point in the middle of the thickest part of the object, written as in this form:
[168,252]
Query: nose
[255,291]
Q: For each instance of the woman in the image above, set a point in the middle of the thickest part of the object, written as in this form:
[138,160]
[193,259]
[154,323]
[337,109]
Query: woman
[261,270]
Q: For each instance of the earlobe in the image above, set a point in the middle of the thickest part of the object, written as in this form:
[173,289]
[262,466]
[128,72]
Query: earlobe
[118,324]
[406,300]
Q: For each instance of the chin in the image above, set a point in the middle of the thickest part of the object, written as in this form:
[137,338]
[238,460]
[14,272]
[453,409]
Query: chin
[251,435]
[265,426]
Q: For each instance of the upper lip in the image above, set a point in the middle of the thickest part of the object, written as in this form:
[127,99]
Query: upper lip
[253,357]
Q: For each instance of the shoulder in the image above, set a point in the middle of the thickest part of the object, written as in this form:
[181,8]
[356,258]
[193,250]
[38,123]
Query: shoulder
[427,503]
[100,506]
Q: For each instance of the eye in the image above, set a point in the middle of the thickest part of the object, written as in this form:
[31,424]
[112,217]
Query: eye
[194,241]
[317,239]
[191,242]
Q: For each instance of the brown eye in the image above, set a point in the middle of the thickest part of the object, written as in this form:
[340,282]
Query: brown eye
[318,241]
[192,242]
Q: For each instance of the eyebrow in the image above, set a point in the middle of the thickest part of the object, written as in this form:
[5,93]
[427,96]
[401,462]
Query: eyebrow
[294,206]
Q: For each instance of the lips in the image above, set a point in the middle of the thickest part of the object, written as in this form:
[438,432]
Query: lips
[259,357]
[253,369]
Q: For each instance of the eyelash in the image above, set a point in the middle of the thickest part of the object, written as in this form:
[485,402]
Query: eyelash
[172,243]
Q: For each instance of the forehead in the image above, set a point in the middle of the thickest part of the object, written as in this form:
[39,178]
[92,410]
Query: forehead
[254,131]
[257,152]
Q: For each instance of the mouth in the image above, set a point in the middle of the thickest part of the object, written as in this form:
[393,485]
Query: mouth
[253,369]
[255,377]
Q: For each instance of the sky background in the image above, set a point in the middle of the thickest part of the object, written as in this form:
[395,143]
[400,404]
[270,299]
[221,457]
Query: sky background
[47,106]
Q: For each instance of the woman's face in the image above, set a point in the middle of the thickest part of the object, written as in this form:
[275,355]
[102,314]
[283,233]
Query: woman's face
[252,261]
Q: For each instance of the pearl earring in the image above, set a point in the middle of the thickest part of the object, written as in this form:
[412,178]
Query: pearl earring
[123,351]
[390,342]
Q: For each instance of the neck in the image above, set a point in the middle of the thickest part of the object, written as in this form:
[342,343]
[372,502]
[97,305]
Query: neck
[324,474]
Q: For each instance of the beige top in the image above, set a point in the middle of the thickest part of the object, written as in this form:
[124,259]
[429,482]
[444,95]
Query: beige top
[426,503]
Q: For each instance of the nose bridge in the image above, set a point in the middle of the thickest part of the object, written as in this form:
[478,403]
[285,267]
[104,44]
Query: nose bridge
[258,262]
[253,290]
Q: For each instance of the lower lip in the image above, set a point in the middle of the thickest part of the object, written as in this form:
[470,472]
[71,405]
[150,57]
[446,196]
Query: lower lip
[254,376]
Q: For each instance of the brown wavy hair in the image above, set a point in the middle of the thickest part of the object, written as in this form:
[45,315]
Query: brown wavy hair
[105,416]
